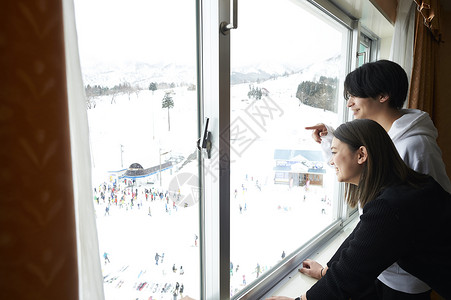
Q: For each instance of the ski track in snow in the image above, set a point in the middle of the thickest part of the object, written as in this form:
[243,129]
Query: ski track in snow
[277,218]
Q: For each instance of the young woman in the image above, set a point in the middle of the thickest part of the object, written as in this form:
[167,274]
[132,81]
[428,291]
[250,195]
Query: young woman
[406,218]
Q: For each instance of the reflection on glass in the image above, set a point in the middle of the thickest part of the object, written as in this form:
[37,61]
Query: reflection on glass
[287,67]
[363,54]
[140,81]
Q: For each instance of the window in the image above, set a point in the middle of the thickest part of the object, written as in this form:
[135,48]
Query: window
[367,51]
[140,78]
[231,222]
[288,62]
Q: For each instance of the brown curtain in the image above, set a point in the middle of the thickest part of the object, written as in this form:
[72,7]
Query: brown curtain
[426,43]
[38,256]
[427,40]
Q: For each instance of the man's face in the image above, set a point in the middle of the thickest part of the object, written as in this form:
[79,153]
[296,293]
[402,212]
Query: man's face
[363,108]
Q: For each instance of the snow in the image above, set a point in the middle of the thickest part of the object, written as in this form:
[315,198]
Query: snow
[273,219]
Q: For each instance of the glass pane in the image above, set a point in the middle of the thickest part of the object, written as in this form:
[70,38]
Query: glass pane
[363,54]
[364,49]
[139,69]
[288,63]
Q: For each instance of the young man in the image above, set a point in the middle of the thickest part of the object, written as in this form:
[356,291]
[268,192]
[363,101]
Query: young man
[377,91]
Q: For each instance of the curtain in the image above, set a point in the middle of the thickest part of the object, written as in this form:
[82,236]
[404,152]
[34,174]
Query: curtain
[89,269]
[426,43]
[38,247]
[401,50]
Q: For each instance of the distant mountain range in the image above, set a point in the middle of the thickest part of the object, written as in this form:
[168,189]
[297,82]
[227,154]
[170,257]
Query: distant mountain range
[142,74]
[136,73]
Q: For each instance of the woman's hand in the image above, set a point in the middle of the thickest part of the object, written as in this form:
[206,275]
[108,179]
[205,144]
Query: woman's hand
[312,269]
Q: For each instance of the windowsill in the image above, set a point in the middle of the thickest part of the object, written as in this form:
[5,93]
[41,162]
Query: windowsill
[296,283]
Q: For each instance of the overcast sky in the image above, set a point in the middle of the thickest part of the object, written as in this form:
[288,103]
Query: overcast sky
[147,30]
[164,30]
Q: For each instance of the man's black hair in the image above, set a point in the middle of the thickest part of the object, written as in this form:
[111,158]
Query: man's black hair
[374,79]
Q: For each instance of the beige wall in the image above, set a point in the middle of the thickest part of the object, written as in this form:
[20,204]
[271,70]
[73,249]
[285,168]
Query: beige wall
[384,51]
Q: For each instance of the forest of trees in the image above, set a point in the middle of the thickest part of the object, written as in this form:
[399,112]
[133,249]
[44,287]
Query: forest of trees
[95,91]
[321,94]
[255,93]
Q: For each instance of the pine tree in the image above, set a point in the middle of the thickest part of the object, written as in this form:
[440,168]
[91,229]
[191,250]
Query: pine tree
[168,103]
[153,86]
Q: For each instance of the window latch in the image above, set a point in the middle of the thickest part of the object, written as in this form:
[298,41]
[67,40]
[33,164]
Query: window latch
[205,140]
[226,27]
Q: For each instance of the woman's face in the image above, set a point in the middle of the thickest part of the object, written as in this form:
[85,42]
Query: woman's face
[348,163]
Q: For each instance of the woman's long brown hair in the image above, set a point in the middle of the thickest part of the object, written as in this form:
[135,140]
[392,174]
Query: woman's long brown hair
[384,167]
